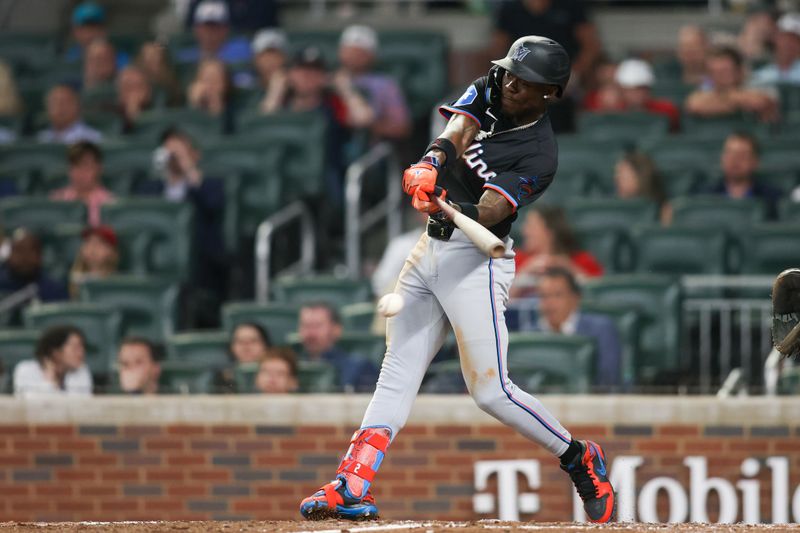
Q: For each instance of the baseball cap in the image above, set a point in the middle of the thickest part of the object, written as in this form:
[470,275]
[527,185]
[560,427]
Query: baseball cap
[309,57]
[790,23]
[269,39]
[359,36]
[88,13]
[211,12]
[635,73]
[104,232]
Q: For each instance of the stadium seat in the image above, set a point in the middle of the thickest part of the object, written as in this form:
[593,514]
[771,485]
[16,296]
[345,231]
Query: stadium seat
[444,377]
[586,163]
[685,163]
[15,346]
[164,229]
[99,323]
[60,245]
[181,377]
[627,321]
[358,317]
[148,305]
[28,53]
[337,292]
[710,128]
[789,211]
[632,128]
[681,250]
[364,346]
[717,212]
[244,376]
[657,299]
[204,129]
[610,213]
[299,136]
[543,362]
[673,90]
[279,320]
[208,348]
[611,247]
[771,248]
[125,165]
[39,214]
[316,377]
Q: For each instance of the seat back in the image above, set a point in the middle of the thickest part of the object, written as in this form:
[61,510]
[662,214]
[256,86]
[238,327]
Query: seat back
[717,211]
[630,127]
[279,320]
[363,346]
[208,348]
[771,248]
[182,377]
[316,377]
[15,345]
[337,292]
[548,362]
[40,214]
[610,213]
[682,250]
[358,317]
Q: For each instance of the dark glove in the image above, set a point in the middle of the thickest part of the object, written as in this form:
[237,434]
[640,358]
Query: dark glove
[786,312]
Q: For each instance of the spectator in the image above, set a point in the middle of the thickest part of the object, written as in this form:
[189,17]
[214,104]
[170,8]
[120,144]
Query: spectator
[727,94]
[786,66]
[154,61]
[635,78]
[10,102]
[277,372]
[23,270]
[177,161]
[548,241]
[269,59]
[320,329]
[64,115]
[134,95]
[636,176]
[603,93]
[755,40]
[139,366]
[98,257]
[245,15]
[357,52]
[85,180]
[59,367]
[100,65]
[559,312]
[211,29]
[250,343]
[739,163]
[88,25]
[212,91]
[691,54]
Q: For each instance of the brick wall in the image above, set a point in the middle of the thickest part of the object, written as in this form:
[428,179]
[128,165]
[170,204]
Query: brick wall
[261,471]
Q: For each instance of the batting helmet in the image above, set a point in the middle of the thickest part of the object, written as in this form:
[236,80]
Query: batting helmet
[538,60]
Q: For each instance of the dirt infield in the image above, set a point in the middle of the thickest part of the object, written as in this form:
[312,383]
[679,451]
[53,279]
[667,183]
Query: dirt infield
[333,526]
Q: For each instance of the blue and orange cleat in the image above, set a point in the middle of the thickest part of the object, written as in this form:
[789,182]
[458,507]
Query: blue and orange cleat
[589,474]
[334,500]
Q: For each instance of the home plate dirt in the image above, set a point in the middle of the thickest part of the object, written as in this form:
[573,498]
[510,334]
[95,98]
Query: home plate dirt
[334,526]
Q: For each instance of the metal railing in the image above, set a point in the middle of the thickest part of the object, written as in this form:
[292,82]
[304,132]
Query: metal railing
[356,222]
[296,211]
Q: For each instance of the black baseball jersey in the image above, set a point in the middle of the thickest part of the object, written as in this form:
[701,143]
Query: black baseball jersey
[518,162]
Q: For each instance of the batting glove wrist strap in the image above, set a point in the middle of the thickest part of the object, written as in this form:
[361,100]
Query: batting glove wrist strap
[470,210]
[447,147]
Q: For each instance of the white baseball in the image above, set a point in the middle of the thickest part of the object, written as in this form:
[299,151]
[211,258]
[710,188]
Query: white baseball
[390,304]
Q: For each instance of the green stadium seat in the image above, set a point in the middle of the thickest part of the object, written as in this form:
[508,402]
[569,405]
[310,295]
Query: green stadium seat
[358,317]
[790,100]
[566,186]
[99,323]
[166,230]
[444,377]
[27,164]
[717,128]
[364,346]
[28,53]
[789,382]
[317,377]
[771,248]
[789,211]
[610,213]
[673,90]
[611,247]
[681,250]
[244,376]
[632,128]
[125,165]
[657,299]
[148,305]
[40,214]
[717,212]
[299,136]
[181,377]
[279,320]
[60,246]
[590,158]
[15,345]
[685,163]
[208,348]
[543,362]
[337,292]
[627,322]
[204,129]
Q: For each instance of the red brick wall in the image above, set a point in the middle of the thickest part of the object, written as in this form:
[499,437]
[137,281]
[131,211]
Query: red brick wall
[262,472]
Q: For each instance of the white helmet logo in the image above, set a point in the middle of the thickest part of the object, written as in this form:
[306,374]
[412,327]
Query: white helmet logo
[520,53]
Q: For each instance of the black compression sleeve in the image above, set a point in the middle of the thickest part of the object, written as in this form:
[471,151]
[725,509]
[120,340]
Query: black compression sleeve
[470,210]
[446,146]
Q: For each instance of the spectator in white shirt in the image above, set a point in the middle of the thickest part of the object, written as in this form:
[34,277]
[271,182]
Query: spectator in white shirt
[64,115]
[786,65]
[59,367]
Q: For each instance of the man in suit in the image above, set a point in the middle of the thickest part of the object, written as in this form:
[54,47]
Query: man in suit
[559,312]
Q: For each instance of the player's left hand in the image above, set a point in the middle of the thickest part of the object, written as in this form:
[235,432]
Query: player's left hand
[423,199]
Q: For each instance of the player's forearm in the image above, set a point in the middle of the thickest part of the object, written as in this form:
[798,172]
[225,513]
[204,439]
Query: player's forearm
[460,131]
[493,208]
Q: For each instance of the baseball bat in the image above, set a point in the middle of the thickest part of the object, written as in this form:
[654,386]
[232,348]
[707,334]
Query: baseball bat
[486,241]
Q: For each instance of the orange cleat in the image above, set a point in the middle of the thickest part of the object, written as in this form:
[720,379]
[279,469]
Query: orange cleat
[589,474]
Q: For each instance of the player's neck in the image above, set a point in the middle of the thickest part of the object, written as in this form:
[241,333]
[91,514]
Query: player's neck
[527,118]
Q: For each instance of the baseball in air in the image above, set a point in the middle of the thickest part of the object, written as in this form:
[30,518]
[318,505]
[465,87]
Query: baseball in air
[390,304]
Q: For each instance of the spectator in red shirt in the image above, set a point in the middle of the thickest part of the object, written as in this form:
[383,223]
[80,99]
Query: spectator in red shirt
[635,78]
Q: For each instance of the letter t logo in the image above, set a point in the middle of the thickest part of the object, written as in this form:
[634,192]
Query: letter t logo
[510,501]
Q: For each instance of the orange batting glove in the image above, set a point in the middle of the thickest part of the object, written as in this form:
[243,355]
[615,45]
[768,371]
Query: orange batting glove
[423,173]
[423,199]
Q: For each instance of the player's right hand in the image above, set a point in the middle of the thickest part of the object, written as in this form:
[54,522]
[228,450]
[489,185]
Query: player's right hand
[423,173]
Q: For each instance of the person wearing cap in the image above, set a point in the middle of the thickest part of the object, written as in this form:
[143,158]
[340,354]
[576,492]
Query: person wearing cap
[635,78]
[64,116]
[246,16]
[88,25]
[786,65]
[85,171]
[269,60]
[727,93]
[358,47]
[97,258]
[211,29]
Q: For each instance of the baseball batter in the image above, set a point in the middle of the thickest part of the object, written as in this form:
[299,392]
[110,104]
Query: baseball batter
[496,155]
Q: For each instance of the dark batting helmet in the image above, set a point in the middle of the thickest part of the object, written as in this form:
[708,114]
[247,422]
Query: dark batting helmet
[538,60]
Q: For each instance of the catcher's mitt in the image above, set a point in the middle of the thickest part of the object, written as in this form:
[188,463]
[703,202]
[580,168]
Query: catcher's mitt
[786,312]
